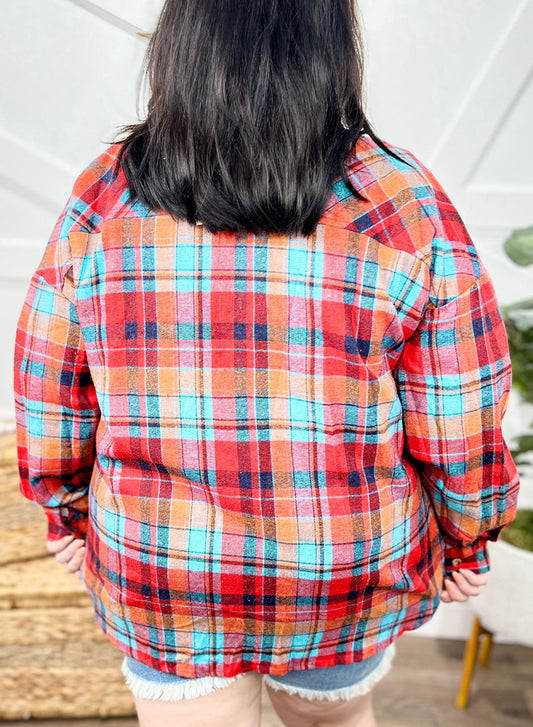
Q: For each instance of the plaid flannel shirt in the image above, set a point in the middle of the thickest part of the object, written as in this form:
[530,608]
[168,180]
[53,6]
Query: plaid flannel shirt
[275,446]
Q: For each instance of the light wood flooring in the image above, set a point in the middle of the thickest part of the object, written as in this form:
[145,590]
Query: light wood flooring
[420,690]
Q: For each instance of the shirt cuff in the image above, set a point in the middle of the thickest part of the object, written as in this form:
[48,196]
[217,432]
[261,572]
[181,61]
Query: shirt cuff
[473,557]
[66,521]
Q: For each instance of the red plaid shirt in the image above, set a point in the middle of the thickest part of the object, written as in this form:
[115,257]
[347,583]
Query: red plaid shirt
[274,445]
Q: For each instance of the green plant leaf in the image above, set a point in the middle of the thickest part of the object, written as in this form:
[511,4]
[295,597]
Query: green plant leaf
[520,531]
[519,246]
[518,319]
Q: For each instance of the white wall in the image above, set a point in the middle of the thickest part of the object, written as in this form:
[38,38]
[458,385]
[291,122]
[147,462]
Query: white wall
[452,81]
[69,74]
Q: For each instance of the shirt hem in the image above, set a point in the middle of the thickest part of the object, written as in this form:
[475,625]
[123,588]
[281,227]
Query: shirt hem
[361,649]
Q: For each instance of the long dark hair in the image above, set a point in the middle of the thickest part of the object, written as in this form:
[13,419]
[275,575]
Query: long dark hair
[255,106]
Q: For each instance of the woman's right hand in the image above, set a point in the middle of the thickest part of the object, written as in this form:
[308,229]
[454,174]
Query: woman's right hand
[70,551]
[462,585]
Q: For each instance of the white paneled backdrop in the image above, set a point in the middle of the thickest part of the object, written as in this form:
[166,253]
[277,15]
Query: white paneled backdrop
[451,81]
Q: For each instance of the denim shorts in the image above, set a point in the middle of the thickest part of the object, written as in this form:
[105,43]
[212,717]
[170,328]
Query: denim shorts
[343,681]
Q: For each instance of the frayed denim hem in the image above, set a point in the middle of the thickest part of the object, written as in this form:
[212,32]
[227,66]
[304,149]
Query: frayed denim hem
[202,686]
[346,693]
[188,689]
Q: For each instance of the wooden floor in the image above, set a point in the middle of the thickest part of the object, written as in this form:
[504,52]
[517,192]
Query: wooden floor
[420,690]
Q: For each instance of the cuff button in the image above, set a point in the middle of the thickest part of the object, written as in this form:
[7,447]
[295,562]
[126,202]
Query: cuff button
[456,561]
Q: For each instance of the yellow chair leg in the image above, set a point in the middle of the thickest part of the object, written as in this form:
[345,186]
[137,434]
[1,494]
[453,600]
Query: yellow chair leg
[469,662]
[486,647]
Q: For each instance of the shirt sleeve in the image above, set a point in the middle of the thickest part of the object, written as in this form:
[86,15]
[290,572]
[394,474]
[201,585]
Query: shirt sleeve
[56,409]
[453,378]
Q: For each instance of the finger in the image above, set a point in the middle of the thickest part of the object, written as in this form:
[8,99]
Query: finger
[464,586]
[476,579]
[453,591]
[65,555]
[75,562]
[77,558]
[55,546]
[445,596]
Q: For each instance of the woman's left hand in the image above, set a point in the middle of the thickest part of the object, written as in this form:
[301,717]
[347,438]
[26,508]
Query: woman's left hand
[68,550]
[462,585]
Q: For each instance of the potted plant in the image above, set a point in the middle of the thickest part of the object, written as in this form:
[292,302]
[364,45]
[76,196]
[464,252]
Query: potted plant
[505,604]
